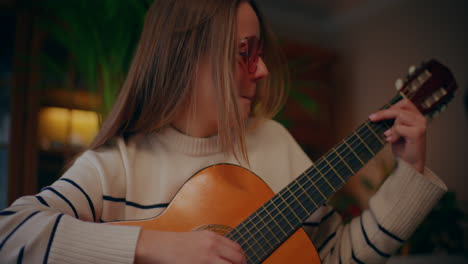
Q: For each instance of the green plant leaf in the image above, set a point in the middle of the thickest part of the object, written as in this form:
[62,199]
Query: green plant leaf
[100,36]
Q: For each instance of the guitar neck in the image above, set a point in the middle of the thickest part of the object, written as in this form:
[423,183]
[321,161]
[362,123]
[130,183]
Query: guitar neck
[268,227]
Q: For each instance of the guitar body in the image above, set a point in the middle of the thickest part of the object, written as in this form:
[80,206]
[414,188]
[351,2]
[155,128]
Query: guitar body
[219,198]
[223,197]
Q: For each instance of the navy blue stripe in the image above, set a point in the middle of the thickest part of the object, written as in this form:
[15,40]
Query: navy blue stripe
[20,256]
[327,216]
[385,231]
[355,258]
[51,238]
[16,228]
[7,212]
[383,254]
[122,200]
[326,241]
[63,198]
[85,194]
[390,234]
[42,201]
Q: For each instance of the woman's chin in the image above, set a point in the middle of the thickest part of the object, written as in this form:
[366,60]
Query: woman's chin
[245,105]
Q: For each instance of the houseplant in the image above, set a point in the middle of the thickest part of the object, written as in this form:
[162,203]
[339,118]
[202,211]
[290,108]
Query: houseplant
[99,38]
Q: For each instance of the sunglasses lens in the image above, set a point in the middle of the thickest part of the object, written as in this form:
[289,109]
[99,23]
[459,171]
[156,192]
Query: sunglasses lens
[254,52]
[251,48]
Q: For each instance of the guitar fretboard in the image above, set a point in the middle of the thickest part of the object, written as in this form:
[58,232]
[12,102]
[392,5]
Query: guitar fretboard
[268,227]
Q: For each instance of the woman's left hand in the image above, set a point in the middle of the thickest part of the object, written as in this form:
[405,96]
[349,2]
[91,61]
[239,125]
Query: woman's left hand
[408,134]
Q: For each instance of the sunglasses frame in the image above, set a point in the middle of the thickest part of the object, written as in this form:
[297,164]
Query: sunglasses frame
[251,48]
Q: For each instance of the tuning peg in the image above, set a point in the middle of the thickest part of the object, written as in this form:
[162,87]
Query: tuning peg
[411,69]
[399,84]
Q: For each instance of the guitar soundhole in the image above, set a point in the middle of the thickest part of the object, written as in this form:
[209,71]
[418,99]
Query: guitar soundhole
[220,229]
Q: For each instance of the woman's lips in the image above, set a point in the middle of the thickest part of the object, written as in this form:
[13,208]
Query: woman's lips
[247,98]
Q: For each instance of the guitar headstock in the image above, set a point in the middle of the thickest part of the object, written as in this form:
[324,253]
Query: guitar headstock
[430,87]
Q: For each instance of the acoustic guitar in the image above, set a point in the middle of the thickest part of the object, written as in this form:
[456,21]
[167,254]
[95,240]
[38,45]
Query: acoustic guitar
[234,202]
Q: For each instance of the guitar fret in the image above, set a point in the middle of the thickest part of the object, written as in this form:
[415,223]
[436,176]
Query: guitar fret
[346,163]
[323,177]
[313,183]
[339,167]
[350,148]
[239,239]
[273,219]
[274,222]
[281,213]
[254,222]
[294,203]
[310,198]
[249,226]
[265,224]
[373,132]
[255,240]
[351,159]
[249,249]
[294,196]
[250,256]
[333,168]
[332,177]
[364,143]
[286,203]
[373,141]
[246,241]
[363,149]
[380,128]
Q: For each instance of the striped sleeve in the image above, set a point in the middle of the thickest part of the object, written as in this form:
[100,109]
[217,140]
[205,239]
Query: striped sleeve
[56,225]
[400,205]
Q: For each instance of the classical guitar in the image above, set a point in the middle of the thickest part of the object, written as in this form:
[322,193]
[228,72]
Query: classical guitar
[268,225]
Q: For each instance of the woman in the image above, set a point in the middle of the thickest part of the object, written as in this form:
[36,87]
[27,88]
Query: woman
[200,91]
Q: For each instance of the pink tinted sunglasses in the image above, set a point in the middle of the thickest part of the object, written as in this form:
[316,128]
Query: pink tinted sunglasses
[251,48]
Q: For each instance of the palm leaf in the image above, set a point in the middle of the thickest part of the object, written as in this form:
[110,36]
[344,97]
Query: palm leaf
[100,36]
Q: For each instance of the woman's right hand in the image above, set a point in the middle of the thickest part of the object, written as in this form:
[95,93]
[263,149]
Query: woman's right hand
[187,247]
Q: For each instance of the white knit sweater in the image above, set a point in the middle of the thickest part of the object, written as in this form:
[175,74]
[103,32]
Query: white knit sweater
[137,179]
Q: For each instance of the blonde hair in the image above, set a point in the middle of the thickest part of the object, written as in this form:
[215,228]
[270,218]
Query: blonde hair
[176,35]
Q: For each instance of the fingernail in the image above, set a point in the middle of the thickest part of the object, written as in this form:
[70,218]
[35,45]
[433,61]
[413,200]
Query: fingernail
[387,132]
[389,138]
[372,116]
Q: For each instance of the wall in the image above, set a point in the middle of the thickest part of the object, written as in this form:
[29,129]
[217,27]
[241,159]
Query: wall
[376,41]
[377,50]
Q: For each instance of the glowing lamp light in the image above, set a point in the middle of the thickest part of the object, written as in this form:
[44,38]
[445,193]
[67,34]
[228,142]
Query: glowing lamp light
[59,127]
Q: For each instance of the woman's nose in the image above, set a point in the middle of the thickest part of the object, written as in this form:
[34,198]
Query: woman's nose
[262,70]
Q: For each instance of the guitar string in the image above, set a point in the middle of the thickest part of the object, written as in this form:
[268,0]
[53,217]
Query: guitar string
[262,245]
[318,164]
[313,179]
[285,203]
[351,143]
[369,125]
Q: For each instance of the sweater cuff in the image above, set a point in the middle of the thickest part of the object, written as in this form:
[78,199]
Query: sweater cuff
[77,241]
[405,199]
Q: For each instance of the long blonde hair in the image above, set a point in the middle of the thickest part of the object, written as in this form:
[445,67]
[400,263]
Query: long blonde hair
[176,35]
